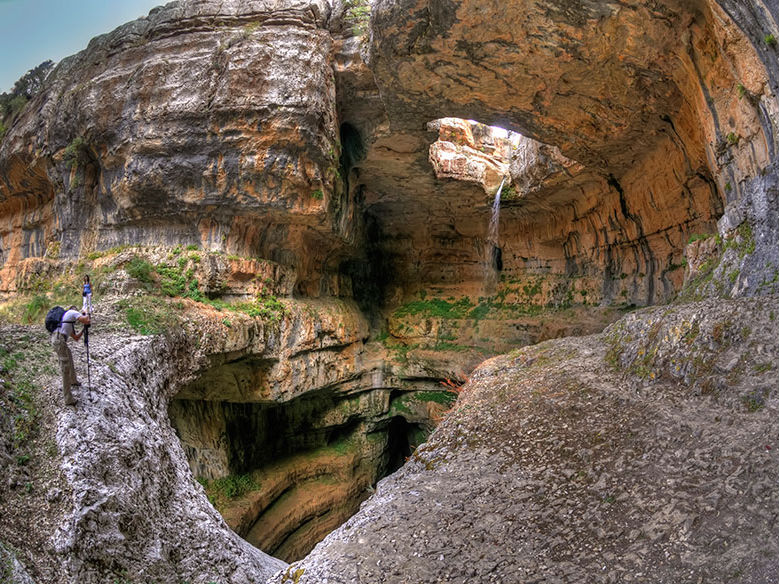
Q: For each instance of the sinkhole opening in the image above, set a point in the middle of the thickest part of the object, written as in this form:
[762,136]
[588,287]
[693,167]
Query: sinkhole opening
[472,152]
[285,474]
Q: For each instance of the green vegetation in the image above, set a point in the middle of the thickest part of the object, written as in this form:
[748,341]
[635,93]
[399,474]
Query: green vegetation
[672,266]
[293,574]
[18,393]
[358,14]
[699,237]
[445,398]
[770,40]
[481,311]
[318,195]
[742,242]
[73,152]
[36,308]
[109,252]
[509,193]
[43,293]
[436,307]
[342,446]
[140,269]
[24,89]
[149,315]
[754,402]
[747,244]
[742,91]
[223,490]
[732,138]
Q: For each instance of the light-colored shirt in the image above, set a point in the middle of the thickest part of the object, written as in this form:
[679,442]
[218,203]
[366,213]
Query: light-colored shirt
[67,328]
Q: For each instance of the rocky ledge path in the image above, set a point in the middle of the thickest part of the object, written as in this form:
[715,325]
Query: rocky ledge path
[107,495]
[647,453]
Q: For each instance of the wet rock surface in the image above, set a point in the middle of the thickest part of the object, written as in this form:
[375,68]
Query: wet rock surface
[589,471]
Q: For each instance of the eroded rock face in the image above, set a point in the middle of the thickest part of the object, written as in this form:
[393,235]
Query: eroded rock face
[200,125]
[667,125]
[600,459]
[133,506]
[311,416]
[469,151]
[185,127]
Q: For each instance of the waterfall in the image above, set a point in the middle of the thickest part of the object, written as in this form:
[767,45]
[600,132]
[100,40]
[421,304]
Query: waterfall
[493,262]
[492,234]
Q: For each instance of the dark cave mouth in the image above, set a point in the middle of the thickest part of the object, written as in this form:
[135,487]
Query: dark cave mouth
[284,475]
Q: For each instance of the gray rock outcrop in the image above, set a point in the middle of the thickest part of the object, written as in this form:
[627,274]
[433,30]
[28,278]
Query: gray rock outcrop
[645,454]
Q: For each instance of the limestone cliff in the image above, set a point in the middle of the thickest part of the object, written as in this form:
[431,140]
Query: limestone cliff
[284,205]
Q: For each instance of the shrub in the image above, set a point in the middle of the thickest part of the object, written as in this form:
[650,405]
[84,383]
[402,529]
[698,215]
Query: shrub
[140,269]
[72,154]
[358,14]
[148,315]
[222,490]
[698,237]
[35,308]
[770,40]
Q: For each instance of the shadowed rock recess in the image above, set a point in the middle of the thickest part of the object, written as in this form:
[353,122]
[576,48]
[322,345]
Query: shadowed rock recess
[310,345]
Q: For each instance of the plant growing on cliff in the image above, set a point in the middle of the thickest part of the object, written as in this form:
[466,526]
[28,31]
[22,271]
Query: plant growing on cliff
[770,40]
[140,269]
[358,14]
[148,315]
[437,307]
[224,489]
[73,152]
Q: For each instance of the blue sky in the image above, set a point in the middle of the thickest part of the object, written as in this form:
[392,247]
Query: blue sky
[32,31]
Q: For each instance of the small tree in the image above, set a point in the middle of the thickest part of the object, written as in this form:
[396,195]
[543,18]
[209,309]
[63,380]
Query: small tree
[26,87]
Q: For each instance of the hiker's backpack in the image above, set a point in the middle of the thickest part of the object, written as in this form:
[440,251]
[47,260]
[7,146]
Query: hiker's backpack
[54,318]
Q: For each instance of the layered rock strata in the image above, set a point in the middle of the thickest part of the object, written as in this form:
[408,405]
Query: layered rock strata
[641,454]
[669,131]
[88,166]
[315,418]
[197,126]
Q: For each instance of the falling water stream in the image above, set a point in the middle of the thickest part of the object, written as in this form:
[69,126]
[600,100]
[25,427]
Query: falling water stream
[493,263]
[492,234]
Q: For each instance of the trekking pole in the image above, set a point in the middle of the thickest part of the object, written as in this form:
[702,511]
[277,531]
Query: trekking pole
[86,344]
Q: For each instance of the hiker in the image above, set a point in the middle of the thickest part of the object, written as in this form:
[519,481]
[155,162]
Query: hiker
[87,296]
[59,340]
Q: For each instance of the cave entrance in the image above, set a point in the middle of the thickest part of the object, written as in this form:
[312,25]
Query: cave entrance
[285,474]
[400,436]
